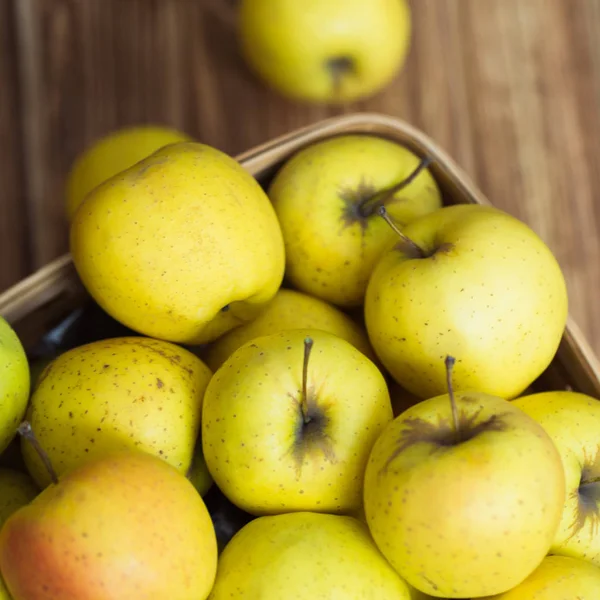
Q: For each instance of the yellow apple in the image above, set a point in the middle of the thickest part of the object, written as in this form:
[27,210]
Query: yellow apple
[557,578]
[14,383]
[290,309]
[112,154]
[285,428]
[473,282]
[183,246]
[122,526]
[116,394]
[572,420]
[334,51]
[463,495]
[326,198]
[305,556]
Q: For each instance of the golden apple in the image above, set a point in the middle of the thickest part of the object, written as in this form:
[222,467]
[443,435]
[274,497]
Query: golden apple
[14,383]
[326,198]
[557,578]
[111,154]
[121,526]
[183,246]
[305,555]
[117,394]
[334,51]
[572,420]
[463,495]
[286,428]
[473,282]
[290,309]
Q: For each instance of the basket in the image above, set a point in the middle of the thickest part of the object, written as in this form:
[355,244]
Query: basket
[40,301]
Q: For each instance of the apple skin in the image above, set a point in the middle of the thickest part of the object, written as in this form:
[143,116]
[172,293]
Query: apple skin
[290,309]
[123,526]
[572,420]
[292,45]
[469,519]
[255,443]
[491,293]
[331,247]
[557,578]
[306,555]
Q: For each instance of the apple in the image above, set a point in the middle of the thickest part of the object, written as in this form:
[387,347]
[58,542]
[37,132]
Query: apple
[305,555]
[557,578]
[183,246]
[130,392]
[463,494]
[572,420]
[335,51]
[326,198]
[111,154]
[15,383]
[288,422]
[290,309]
[473,282]
[125,525]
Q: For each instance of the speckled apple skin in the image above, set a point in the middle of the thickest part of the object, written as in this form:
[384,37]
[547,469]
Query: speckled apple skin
[466,520]
[122,526]
[129,392]
[167,244]
[492,295]
[572,420]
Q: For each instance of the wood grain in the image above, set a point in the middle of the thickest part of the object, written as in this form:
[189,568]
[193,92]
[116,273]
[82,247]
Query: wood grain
[14,246]
[511,88]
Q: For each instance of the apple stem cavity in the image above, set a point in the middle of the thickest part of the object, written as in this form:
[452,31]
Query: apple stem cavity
[414,249]
[450,360]
[308,344]
[26,431]
[371,205]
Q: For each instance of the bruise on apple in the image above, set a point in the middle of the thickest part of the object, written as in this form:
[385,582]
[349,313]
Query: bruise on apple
[588,509]
[444,434]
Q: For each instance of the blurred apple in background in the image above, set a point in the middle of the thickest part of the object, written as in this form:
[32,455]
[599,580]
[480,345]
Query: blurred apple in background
[112,154]
[325,51]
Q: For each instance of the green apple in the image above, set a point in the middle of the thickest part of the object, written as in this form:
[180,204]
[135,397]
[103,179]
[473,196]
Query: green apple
[326,198]
[124,525]
[463,494]
[286,428]
[572,420]
[334,51]
[557,578]
[305,555]
[14,383]
[290,309]
[473,282]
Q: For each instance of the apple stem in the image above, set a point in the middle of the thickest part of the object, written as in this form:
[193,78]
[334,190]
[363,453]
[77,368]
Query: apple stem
[308,344]
[370,205]
[417,250]
[450,360]
[25,430]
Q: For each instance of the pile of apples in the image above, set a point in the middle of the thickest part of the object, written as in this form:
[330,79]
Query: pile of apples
[344,354]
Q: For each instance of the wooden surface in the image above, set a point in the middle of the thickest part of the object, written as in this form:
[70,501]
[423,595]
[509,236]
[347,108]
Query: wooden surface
[511,88]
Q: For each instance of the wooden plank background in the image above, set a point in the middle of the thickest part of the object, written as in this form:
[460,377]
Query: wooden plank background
[511,88]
